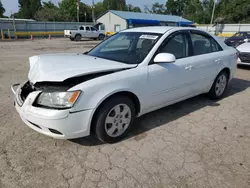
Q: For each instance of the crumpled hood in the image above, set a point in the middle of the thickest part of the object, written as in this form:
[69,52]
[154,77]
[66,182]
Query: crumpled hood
[59,67]
[245,47]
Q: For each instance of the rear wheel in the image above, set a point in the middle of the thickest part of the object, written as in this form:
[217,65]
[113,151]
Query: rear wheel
[78,37]
[114,119]
[101,37]
[219,86]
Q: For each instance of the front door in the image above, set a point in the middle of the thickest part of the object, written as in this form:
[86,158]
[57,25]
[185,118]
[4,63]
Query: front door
[88,32]
[94,32]
[169,82]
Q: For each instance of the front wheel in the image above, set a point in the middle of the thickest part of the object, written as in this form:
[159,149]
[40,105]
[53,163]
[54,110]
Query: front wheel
[114,119]
[219,86]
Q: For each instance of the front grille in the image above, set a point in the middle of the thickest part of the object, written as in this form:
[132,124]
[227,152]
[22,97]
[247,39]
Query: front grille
[244,57]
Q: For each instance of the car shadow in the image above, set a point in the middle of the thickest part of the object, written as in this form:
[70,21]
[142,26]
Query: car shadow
[171,113]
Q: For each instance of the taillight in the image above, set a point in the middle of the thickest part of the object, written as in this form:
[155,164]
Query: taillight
[70,32]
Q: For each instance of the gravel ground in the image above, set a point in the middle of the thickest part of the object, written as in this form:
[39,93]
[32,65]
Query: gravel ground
[195,143]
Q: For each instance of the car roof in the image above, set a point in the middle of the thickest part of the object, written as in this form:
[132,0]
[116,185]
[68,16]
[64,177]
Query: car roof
[151,29]
[160,29]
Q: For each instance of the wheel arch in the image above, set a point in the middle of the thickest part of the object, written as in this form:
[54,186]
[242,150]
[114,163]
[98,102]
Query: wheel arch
[227,70]
[78,34]
[128,94]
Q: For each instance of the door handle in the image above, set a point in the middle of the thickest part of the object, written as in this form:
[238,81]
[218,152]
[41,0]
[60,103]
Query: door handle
[217,61]
[188,67]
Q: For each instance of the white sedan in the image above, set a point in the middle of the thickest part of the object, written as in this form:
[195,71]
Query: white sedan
[132,73]
[244,53]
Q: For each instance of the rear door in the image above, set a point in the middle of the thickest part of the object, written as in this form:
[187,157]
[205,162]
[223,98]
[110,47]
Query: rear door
[82,31]
[207,57]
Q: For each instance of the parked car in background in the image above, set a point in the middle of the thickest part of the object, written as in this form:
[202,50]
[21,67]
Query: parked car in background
[238,38]
[244,53]
[84,32]
[134,72]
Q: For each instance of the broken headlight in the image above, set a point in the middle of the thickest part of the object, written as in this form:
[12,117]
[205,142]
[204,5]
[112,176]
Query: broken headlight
[58,99]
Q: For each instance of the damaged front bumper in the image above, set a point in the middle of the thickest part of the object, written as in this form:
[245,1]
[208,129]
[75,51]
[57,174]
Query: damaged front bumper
[60,124]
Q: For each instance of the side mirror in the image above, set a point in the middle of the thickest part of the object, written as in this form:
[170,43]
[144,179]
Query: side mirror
[164,58]
[246,40]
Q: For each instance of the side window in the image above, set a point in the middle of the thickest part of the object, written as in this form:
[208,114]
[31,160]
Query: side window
[102,27]
[81,28]
[215,46]
[93,29]
[87,29]
[203,44]
[177,45]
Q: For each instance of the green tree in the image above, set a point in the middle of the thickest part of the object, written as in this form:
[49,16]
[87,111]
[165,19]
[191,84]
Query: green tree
[2,9]
[28,8]
[131,8]
[69,11]
[49,5]
[234,11]
[49,12]
[208,9]
[156,8]
[99,9]
[176,7]
[115,4]
[194,11]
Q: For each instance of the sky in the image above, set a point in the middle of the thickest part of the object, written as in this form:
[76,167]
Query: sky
[11,6]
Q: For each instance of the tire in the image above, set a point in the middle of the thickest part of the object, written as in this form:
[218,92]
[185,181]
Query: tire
[110,126]
[78,37]
[101,37]
[219,86]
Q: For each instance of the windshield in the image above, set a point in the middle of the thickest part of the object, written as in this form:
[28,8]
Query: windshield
[126,47]
[238,35]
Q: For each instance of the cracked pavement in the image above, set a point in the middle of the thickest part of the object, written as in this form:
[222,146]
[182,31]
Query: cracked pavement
[197,143]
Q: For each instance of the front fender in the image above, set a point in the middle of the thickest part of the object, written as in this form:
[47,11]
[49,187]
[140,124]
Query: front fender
[95,91]
[91,100]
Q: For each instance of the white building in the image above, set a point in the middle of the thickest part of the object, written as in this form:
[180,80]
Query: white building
[114,21]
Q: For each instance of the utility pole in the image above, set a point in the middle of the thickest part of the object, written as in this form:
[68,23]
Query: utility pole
[77,7]
[93,12]
[212,17]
